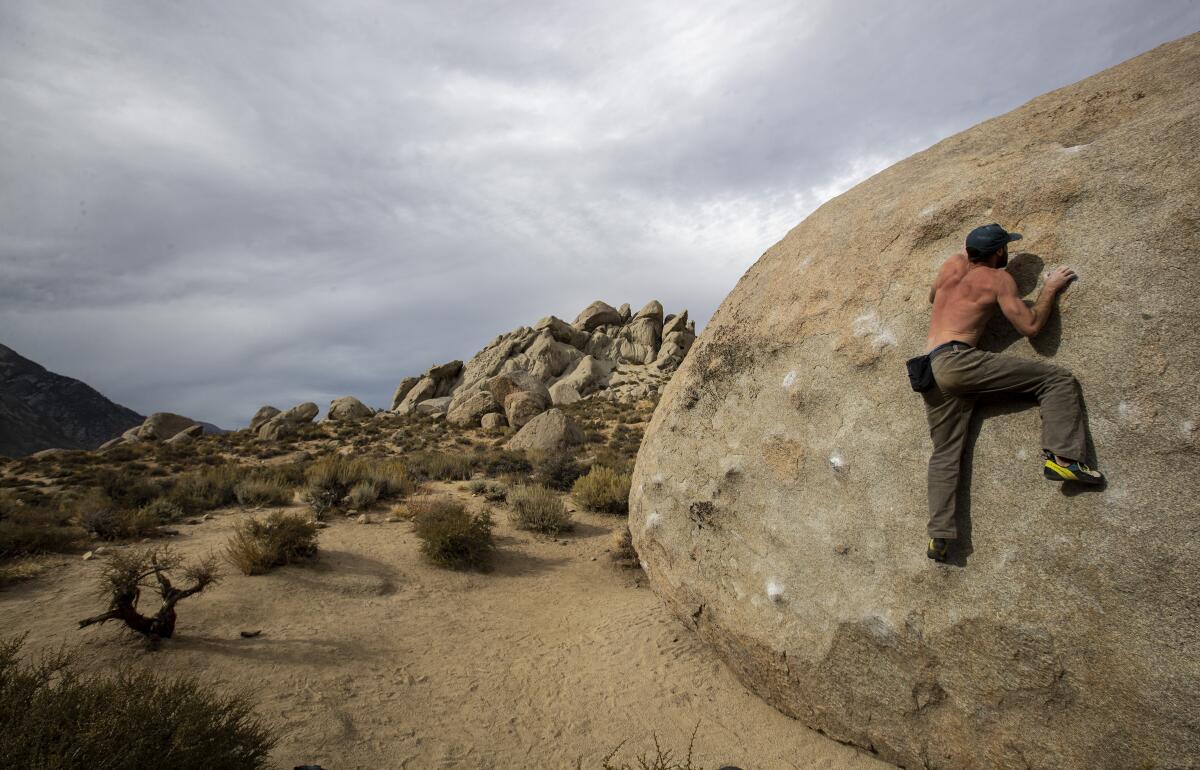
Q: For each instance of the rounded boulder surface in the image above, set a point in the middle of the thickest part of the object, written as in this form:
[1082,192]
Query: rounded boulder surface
[547,432]
[779,497]
[348,409]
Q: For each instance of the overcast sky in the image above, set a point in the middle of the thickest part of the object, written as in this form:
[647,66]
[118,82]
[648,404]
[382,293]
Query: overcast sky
[205,207]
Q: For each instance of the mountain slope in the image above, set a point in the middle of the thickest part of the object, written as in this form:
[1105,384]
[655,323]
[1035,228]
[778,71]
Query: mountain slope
[41,410]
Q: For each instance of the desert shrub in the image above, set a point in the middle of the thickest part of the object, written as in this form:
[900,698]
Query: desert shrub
[333,478]
[55,715]
[489,490]
[128,489]
[623,552]
[442,466]
[263,490]
[615,459]
[9,504]
[506,463]
[537,509]
[603,490]
[662,759]
[164,511]
[204,490]
[138,522]
[27,530]
[132,574]
[450,535]
[283,538]
[364,494]
[558,470]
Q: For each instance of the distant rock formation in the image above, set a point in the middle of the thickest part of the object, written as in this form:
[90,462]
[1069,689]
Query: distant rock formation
[43,410]
[778,499]
[606,353]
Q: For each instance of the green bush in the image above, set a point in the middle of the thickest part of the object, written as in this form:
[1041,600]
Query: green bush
[506,462]
[450,535]
[333,478]
[489,490]
[256,547]
[538,509]
[164,511]
[55,715]
[558,470]
[603,490]
[100,516]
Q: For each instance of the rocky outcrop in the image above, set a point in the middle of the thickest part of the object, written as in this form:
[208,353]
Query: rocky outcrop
[778,498]
[547,432]
[41,410]
[286,424]
[348,409]
[568,361]
[260,417]
[162,426]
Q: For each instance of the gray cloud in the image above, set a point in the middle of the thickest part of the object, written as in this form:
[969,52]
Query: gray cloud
[207,207]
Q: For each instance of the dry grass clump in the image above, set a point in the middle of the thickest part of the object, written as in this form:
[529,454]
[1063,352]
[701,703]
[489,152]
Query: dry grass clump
[505,462]
[441,466]
[57,715]
[127,488]
[337,479]
[450,535]
[256,546]
[30,530]
[537,509]
[212,487]
[268,489]
[603,490]
[99,515]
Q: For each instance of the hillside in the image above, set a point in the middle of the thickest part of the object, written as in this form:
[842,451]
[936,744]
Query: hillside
[40,409]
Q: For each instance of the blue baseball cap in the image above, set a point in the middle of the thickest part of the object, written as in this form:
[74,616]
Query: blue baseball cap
[989,239]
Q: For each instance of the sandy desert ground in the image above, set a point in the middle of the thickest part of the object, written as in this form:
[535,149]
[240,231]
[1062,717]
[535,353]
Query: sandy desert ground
[372,658]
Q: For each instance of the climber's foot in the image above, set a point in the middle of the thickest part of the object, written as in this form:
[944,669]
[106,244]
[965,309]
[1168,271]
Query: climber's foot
[1062,469]
[937,548]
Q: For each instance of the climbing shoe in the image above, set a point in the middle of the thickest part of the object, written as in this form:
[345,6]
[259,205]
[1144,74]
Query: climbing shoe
[1075,471]
[937,548]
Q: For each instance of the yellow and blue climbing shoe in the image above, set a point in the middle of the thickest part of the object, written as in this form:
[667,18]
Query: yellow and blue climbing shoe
[937,548]
[1074,471]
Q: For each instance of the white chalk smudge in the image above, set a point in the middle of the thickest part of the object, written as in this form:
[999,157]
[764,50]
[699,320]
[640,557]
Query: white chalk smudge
[774,591]
[1186,428]
[789,379]
[1022,454]
[836,461]
[657,479]
[869,325]
[652,520]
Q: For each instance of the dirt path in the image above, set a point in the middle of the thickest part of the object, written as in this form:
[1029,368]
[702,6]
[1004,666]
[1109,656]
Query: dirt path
[374,659]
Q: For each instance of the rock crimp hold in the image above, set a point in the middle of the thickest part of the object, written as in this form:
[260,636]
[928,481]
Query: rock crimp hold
[778,499]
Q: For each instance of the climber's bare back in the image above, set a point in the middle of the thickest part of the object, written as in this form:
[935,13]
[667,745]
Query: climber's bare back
[964,298]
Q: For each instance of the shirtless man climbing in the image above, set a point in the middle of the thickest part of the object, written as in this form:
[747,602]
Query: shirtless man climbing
[968,288]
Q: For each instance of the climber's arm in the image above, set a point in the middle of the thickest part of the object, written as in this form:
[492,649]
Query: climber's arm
[1026,320]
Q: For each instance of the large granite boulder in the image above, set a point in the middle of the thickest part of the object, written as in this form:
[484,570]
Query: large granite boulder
[401,391]
[778,499]
[161,426]
[260,417]
[547,432]
[597,314]
[287,423]
[438,381]
[468,411]
[348,409]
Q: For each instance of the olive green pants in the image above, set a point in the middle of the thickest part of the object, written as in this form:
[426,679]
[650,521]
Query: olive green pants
[962,375]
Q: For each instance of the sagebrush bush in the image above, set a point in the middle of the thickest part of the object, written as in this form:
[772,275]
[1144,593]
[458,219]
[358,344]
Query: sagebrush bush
[537,509]
[623,552]
[267,489]
[164,511]
[127,488]
[505,462]
[491,491]
[258,546]
[558,470]
[603,490]
[450,535]
[53,714]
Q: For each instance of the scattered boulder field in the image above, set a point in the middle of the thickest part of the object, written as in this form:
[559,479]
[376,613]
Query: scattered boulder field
[778,501]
